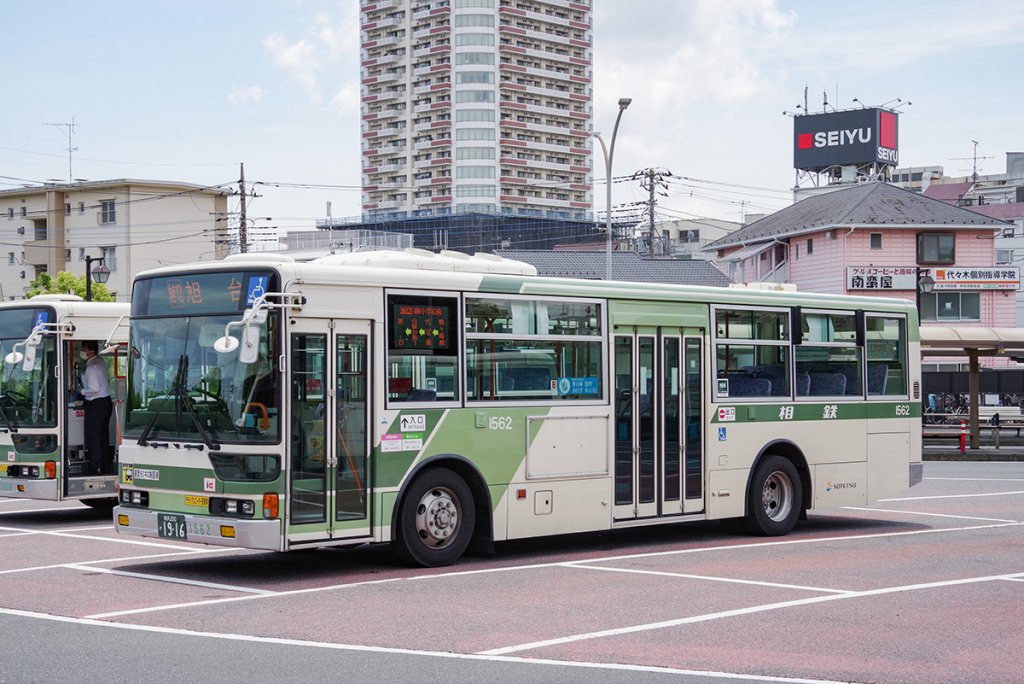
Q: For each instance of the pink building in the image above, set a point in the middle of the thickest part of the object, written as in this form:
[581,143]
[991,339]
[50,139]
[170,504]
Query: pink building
[878,239]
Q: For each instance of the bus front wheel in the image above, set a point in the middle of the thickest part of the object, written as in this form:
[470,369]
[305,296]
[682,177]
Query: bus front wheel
[435,521]
[775,497]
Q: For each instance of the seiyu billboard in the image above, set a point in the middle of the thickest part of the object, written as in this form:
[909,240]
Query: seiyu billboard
[852,137]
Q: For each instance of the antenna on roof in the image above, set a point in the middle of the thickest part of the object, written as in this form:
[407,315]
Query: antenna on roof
[974,161]
[70,133]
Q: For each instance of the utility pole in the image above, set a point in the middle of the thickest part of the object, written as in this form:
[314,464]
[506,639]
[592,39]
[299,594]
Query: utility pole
[71,148]
[650,212]
[243,235]
[650,179]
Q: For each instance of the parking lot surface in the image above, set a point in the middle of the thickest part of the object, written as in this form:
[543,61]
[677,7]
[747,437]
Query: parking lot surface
[927,586]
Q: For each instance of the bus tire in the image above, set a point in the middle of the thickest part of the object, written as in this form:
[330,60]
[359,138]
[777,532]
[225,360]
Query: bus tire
[775,497]
[436,519]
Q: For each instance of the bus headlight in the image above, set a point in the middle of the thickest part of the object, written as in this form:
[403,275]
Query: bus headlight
[240,508]
[135,497]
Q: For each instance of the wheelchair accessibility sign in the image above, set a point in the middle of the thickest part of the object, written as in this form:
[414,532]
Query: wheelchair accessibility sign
[257,288]
[722,434]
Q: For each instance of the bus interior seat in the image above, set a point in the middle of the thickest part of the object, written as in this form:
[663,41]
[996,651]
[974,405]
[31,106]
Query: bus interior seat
[827,384]
[745,386]
[878,374]
[803,384]
[416,394]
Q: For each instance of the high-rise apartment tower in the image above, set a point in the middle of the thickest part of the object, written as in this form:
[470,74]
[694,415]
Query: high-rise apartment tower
[476,106]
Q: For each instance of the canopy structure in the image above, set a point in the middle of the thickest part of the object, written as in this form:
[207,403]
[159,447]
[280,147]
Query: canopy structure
[972,342]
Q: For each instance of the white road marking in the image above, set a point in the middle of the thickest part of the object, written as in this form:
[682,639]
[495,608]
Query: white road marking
[406,651]
[115,540]
[583,565]
[232,599]
[751,610]
[171,580]
[934,515]
[123,559]
[537,566]
[38,510]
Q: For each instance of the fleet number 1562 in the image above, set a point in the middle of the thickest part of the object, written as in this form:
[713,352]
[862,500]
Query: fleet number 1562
[499,423]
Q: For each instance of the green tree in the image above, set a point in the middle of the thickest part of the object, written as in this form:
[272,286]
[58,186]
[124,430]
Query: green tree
[66,282]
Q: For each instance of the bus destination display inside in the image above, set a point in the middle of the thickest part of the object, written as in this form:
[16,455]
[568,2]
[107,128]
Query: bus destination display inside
[420,326]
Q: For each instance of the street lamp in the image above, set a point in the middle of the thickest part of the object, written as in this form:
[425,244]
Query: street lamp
[925,284]
[609,154]
[101,274]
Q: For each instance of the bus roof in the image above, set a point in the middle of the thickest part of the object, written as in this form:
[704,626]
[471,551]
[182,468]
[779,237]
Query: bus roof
[421,269]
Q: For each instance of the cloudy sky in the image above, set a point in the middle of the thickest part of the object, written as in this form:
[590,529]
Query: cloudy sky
[188,90]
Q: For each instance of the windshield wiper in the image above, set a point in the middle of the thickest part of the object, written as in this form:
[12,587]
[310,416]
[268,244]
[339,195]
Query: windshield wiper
[182,404]
[7,421]
[176,389]
[204,434]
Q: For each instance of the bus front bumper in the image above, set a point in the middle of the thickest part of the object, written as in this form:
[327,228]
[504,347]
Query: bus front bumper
[27,488]
[200,529]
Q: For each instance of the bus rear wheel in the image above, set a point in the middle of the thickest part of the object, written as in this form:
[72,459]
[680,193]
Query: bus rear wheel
[436,519]
[775,497]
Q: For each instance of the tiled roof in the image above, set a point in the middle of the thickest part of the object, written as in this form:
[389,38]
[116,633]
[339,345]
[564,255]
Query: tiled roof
[1011,211]
[869,204]
[951,193]
[590,265]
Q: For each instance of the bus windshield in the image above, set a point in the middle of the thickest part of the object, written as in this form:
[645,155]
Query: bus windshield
[180,387]
[27,398]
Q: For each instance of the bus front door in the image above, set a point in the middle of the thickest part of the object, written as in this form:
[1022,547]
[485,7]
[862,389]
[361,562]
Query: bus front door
[658,436]
[328,495]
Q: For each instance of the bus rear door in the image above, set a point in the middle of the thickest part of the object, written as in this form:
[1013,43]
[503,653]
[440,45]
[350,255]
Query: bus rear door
[658,428]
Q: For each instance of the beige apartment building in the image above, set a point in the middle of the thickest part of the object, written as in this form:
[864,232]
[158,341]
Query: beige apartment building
[476,106]
[132,225]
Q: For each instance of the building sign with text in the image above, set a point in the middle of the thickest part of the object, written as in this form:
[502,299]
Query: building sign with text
[959,278]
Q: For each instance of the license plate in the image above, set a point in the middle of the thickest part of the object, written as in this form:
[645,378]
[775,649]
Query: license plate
[171,526]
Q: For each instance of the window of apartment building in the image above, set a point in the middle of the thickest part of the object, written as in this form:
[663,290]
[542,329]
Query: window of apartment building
[474,191]
[10,213]
[109,257]
[474,153]
[107,211]
[462,20]
[474,58]
[474,77]
[810,246]
[487,4]
[875,240]
[936,248]
[24,211]
[81,253]
[474,134]
[474,172]
[10,257]
[474,39]
[1004,256]
[474,115]
[474,96]
[67,209]
[951,306]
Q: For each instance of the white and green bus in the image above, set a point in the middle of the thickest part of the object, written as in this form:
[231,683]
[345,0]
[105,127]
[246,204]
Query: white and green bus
[42,414]
[434,401]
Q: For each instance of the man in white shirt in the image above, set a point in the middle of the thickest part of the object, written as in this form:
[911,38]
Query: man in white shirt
[98,408]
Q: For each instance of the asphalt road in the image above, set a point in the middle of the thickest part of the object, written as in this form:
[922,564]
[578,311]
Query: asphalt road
[927,586]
